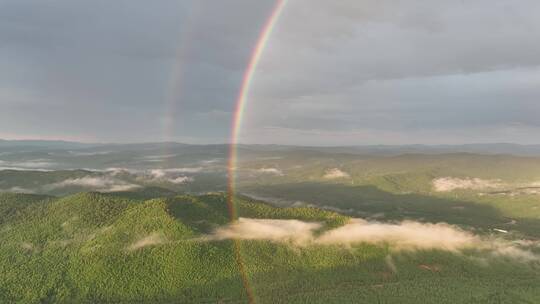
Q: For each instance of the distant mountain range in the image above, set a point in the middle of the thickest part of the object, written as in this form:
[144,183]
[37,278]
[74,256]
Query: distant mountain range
[387,150]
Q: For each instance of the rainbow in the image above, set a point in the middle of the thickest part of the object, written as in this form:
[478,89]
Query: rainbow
[236,127]
[243,96]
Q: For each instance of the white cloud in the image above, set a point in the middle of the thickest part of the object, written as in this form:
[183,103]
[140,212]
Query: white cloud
[25,169]
[35,164]
[181,180]
[153,239]
[19,190]
[512,250]
[211,161]
[266,229]
[446,184]
[335,173]
[102,183]
[172,175]
[159,173]
[116,171]
[403,236]
[274,171]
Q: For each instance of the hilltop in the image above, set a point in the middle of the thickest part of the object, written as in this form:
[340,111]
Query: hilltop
[126,247]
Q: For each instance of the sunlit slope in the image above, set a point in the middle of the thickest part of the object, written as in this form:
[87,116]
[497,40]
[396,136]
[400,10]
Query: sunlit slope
[103,247]
[310,166]
[93,247]
[483,191]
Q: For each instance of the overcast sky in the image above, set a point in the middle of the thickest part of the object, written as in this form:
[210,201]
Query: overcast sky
[346,72]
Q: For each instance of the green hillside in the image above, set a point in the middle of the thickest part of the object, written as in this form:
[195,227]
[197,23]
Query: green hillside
[109,248]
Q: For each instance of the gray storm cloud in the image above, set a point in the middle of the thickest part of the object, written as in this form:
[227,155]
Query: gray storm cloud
[332,73]
[154,67]
[398,72]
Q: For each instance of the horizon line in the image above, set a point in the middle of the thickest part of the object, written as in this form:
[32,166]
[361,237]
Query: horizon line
[261,144]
